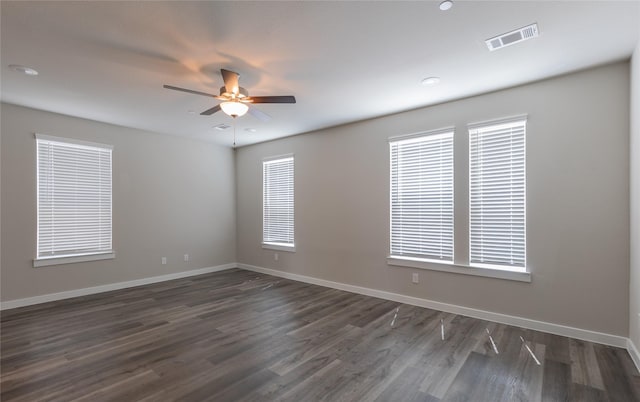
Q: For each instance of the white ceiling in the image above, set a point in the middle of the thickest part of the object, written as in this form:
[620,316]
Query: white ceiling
[344,61]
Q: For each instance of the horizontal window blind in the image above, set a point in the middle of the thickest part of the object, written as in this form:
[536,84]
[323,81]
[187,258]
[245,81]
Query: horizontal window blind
[277,205]
[74,198]
[422,196]
[497,194]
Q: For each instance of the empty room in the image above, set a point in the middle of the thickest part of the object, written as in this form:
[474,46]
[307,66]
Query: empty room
[320,201]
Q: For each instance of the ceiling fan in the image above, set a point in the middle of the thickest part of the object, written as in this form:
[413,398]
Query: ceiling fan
[235,99]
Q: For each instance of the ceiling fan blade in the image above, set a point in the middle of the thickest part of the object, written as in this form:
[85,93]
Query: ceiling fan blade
[259,114]
[273,99]
[191,91]
[211,111]
[230,79]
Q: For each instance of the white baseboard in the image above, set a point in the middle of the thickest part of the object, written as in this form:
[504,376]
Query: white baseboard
[112,286]
[635,355]
[557,329]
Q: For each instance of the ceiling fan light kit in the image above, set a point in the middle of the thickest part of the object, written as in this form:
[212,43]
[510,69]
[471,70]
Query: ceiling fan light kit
[234,108]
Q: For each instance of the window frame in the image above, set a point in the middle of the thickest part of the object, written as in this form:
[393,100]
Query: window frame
[484,125]
[75,257]
[460,263]
[271,245]
[416,137]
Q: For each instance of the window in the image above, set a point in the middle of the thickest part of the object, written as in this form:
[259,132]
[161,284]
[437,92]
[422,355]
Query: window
[277,204]
[422,196]
[497,195]
[73,201]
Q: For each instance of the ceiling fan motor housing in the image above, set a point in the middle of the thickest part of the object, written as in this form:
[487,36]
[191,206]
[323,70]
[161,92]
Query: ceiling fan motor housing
[242,93]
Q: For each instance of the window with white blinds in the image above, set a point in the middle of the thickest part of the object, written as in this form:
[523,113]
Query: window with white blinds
[422,196]
[74,198]
[497,195]
[277,202]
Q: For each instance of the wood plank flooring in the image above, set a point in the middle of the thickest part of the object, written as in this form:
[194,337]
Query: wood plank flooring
[241,336]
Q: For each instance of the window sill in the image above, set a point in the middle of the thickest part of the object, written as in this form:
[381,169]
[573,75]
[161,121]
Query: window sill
[444,266]
[279,247]
[46,261]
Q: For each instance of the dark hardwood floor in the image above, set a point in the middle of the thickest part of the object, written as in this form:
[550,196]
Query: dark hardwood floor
[237,335]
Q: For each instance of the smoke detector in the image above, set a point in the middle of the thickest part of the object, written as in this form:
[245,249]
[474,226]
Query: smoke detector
[513,37]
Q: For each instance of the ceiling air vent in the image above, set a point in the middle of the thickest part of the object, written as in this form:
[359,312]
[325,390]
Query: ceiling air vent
[510,38]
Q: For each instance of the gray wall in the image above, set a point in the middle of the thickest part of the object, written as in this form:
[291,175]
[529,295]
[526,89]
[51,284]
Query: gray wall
[577,202]
[171,196]
[634,309]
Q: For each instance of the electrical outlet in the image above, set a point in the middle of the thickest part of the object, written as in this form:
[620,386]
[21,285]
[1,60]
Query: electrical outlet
[276,256]
[164,260]
[186,258]
[415,278]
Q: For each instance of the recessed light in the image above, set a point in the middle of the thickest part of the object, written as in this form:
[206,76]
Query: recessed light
[191,111]
[250,130]
[430,81]
[446,5]
[222,127]
[23,69]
